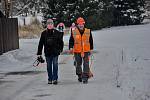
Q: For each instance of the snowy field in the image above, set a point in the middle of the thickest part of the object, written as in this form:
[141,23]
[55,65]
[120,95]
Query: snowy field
[121,67]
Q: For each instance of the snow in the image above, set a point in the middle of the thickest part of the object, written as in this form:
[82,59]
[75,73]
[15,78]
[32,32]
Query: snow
[121,58]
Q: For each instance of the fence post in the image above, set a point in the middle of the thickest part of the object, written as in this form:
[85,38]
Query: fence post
[1,38]
[16,34]
[4,33]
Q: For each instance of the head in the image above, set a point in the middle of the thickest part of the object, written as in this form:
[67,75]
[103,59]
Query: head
[61,24]
[61,27]
[50,24]
[80,23]
[73,25]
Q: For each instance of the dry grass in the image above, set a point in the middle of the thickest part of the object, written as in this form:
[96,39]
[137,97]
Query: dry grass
[30,31]
[33,30]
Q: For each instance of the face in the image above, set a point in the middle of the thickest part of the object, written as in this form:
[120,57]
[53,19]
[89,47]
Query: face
[73,24]
[50,25]
[81,26]
[60,28]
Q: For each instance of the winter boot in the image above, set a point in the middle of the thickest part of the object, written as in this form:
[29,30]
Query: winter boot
[85,80]
[55,82]
[49,82]
[80,78]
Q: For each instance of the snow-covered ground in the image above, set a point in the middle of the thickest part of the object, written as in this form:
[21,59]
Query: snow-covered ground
[120,66]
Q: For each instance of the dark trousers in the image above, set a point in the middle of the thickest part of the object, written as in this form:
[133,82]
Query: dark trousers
[79,60]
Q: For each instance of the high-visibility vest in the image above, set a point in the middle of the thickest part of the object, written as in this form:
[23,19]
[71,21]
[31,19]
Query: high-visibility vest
[81,43]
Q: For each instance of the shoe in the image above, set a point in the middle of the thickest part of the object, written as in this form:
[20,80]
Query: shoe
[55,82]
[79,78]
[85,81]
[49,82]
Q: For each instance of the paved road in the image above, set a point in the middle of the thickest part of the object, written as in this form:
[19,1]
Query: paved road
[118,60]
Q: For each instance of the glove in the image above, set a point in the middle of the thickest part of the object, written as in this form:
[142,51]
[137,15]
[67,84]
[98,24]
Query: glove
[40,59]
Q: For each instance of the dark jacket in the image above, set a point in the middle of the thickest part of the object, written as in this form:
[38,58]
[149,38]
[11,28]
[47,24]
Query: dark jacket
[52,40]
[71,40]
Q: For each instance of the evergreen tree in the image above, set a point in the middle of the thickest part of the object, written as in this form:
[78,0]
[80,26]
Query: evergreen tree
[49,11]
[128,12]
[27,7]
[106,14]
[68,10]
[89,10]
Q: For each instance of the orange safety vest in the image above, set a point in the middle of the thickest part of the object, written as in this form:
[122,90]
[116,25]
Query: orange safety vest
[81,43]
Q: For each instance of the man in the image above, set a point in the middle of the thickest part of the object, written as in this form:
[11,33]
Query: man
[81,43]
[52,40]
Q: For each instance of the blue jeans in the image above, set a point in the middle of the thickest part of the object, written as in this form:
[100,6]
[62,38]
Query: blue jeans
[52,67]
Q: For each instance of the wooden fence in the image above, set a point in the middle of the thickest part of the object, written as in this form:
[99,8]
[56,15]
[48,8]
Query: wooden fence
[9,39]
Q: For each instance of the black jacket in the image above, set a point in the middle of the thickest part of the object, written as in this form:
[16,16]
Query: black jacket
[52,40]
[71,40]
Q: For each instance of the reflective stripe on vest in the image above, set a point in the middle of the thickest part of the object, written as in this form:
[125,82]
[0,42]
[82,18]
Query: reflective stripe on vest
[81,43]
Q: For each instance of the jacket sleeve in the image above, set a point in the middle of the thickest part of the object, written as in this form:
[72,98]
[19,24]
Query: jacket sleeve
[91,41]
[71,41]
[61,43]
[61,35]
[41,43]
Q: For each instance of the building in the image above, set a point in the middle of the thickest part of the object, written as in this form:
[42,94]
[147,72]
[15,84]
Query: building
[148,8]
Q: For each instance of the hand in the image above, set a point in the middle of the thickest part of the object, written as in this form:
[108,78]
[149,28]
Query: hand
[71,51]
[40,59]
[90,53]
